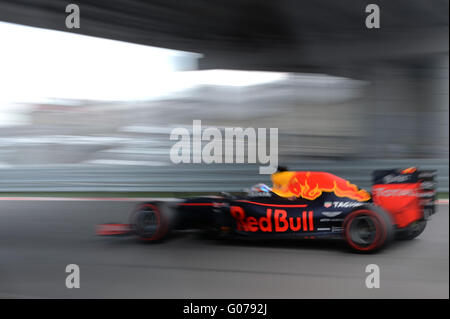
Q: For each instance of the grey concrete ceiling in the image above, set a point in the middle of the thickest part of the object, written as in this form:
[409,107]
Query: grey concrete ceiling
[289,35]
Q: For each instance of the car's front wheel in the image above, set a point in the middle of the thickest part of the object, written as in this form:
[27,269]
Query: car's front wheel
[151,221]
[367,229]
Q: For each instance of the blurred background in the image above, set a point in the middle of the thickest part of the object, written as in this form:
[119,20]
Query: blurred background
[91,109]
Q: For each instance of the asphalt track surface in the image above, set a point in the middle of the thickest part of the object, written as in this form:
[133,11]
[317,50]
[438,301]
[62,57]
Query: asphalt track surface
[39,238]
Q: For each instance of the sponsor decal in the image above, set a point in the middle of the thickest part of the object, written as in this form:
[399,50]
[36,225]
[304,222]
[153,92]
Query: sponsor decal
[258,194]
[386,192]
[331,220]
[427,174]
[428,185]
[310,185]
[335,229]
[346,204]
[275,220]
[331,214]
[389,179]
[327,204]
[427,194]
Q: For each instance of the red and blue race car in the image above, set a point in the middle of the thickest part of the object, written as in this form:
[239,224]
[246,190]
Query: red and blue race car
[300,204]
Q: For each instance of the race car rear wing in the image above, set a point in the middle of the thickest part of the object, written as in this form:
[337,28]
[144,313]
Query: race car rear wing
[428,187]
[408,194]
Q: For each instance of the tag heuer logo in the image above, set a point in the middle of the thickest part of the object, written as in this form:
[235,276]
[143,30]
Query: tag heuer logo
[327,204]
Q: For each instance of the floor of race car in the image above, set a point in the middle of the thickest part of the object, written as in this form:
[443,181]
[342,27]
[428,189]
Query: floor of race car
[39,238]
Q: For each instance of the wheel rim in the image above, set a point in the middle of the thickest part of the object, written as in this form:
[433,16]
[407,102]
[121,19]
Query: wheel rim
[363,231]
[147,221]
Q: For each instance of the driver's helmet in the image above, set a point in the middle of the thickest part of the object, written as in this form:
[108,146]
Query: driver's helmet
[261,188]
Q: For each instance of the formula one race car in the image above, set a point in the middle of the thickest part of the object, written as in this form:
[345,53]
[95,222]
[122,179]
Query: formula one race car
[300,204]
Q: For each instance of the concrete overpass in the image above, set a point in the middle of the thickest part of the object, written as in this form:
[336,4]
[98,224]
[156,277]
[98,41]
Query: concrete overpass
[405,61]
[314,36]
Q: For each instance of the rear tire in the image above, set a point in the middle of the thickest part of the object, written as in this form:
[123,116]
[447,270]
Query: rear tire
[151,221]
[367,229]
[412,231]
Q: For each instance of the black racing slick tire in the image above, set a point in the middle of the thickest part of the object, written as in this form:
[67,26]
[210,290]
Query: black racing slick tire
[412,231]
[151,222]
[368,229]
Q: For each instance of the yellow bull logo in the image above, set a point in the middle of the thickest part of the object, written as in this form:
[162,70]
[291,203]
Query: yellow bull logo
[310,185]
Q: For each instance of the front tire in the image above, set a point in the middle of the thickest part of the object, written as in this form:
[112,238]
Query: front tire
[151,221]
[367,229]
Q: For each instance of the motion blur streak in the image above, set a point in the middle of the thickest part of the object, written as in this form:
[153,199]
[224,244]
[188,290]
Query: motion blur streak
[91,110]
[35,252]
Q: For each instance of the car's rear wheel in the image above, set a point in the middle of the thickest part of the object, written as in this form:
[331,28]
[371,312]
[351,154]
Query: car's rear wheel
[367,229]
[412,231]
[151,221]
